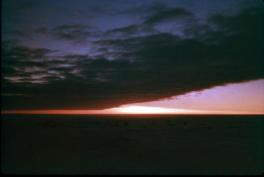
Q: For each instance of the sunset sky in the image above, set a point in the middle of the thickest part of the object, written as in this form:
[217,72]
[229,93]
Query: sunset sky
[195,56]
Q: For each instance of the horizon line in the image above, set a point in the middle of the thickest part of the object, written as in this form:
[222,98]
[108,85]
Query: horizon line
[107,112]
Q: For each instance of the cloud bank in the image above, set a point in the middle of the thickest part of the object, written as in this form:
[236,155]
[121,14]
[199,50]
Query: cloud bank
[134,63]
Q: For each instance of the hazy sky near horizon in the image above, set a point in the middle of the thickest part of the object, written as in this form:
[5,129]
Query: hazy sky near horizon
[87,54]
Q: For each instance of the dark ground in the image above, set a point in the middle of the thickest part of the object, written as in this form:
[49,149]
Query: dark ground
[132,144]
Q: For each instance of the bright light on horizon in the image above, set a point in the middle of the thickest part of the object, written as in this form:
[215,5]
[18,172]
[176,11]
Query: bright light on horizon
[147,110]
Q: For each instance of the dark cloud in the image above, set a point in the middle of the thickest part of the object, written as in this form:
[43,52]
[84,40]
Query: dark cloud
[166,15]
[226,49]
[132,31]
[42,30]
[155,7]
[27,65]
[72,32]
[128,29]
[22,51]
[156,14]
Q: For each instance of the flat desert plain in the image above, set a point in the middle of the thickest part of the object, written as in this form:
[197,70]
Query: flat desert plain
[132,144]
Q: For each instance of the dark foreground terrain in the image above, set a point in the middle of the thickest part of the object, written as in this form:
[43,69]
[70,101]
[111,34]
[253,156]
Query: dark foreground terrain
[132,144]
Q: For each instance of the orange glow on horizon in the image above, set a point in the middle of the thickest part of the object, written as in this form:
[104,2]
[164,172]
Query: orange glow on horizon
[129,110]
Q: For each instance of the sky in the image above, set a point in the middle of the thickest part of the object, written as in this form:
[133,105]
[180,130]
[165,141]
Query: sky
[97,55]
